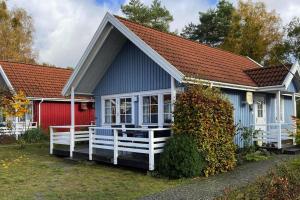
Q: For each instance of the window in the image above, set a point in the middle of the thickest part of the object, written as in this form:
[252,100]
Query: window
[110,111]
[150,109]
[125,110]
[167,109]
[260,109]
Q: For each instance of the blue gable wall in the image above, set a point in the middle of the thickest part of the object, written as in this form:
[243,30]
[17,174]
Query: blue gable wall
[131,71]
[292,87]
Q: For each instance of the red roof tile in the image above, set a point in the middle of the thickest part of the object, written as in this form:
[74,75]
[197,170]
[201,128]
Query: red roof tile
[194,59]
[36,80]
[268,76]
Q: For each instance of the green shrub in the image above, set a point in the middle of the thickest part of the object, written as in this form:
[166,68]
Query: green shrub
[207,115]
[33,136]
[181,158]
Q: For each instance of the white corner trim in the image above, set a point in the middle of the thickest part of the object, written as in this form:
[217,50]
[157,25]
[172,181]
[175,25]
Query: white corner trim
[162,62]
[254,61]
[290,75]
[6,80]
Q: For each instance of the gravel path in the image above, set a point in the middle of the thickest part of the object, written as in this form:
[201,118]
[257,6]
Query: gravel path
[212,187]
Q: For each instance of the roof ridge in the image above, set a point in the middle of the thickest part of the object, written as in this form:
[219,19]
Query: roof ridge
[180,37]
[36,65]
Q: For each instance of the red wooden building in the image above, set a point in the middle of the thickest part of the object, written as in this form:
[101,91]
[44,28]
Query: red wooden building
[43,86]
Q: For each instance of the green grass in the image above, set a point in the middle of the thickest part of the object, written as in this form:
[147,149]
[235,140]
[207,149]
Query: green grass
[31,173]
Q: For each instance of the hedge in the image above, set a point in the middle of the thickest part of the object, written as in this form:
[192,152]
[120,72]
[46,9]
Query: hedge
[207,115]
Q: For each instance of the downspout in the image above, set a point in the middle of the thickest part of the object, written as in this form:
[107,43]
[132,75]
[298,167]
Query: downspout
[40,111]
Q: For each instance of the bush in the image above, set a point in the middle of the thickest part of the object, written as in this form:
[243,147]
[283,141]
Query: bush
[181,158]
[33,136]
[207,115]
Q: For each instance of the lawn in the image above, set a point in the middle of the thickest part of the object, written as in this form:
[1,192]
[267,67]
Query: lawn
[31,173]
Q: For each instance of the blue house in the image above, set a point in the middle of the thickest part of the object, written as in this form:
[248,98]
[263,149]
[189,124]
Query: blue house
[135,72]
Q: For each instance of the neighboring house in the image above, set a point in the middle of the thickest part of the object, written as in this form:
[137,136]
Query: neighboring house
[42,86]
[134,73]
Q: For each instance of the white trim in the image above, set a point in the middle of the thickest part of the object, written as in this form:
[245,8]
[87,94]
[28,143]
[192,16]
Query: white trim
[162,62]
[254,61]
[59,99]
[6,80]
[290,76]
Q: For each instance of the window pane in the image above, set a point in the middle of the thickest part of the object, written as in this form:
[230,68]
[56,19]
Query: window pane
[154,118]
[154,109]
[122,118]
[146,100]
[128,119]
[154,100]
[146,118]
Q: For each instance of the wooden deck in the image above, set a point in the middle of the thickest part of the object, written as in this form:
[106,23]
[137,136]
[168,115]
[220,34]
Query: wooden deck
[125,159]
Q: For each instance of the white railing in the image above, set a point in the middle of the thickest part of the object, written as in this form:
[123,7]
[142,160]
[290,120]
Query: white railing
[17,128]
[274,133]
[67,135]
[128,140]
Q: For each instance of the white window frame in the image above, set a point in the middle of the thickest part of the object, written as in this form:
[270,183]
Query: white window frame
[118,116]
[133,97]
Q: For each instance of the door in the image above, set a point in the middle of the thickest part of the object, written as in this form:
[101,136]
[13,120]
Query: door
[260,112]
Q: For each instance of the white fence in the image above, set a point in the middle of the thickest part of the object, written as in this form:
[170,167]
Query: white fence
[66,135]
[118,140]
[275,133]
[17,128]
[134,140]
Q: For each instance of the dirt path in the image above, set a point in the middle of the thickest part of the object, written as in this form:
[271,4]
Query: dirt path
[212,187]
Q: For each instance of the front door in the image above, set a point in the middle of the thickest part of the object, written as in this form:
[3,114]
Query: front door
[260,112]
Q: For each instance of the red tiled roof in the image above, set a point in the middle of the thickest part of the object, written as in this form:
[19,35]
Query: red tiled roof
[36,80]
[268,76]
[194,59]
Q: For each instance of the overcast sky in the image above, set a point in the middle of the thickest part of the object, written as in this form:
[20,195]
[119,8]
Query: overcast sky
[63,28]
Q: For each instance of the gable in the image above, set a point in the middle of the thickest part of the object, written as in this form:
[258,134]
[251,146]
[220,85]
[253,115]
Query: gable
[132,71]
[293,86]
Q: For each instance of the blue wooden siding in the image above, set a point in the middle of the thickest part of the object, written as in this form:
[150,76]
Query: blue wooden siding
[131,71]
[292,87]
[288,109]
[243,115]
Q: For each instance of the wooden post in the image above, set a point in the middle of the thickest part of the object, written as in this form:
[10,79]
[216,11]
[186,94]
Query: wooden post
[294,114]
[90,143]
[51,140]
[151,150]
[173,96]
[278,112]
[72,129]
[115,147]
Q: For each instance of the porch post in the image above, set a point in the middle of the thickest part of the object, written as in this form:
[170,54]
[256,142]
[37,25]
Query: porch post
[151,150]
[90,143]
[173,96]
[116,150]
[278,113]
[72,128]
[51,140]
[294,105]
[294,114]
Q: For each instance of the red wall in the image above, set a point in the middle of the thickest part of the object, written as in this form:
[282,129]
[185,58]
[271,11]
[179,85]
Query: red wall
[59,113]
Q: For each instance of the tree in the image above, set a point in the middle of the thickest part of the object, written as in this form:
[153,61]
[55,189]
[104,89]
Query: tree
[254,31]
[156,16]
[293,37]
[16,35]
[214,25]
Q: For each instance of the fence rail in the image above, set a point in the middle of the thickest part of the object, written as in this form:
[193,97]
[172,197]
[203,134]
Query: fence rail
[16,128]
[274,133]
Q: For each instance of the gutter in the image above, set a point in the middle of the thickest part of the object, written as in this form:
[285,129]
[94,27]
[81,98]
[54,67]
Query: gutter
[59,99]
[40,112]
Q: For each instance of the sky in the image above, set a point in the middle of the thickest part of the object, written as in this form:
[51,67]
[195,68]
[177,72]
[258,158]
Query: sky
[64,28]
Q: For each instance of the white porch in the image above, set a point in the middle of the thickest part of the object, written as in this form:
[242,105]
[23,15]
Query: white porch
[279,134]
[125,146]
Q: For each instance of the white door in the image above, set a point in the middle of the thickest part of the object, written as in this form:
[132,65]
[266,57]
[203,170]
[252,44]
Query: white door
[260,112]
